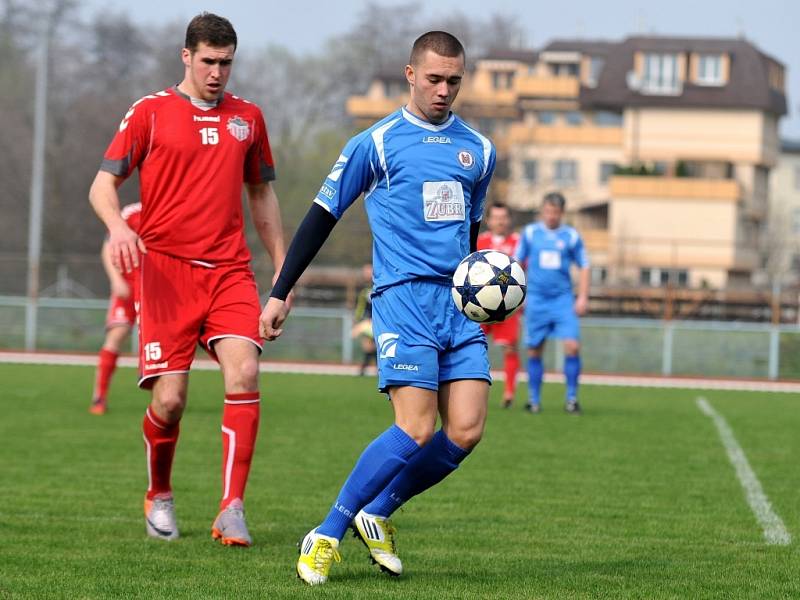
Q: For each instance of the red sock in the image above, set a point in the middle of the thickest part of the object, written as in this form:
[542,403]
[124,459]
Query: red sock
[239,430]
[106,363]
[160,439]
[511,367]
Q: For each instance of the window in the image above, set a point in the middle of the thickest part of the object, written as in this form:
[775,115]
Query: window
[501,169]
[656,277]
[546,117]
[502,80]
[606,171]
[599,275]
[564,69]
[796,221]
[531,168]
[606,118]
[565,172]
[486,125]
[709,69]
[573,117]
[660,74]
[595,66]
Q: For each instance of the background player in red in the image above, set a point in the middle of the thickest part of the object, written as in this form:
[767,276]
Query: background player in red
[195,145]
[120,318]
[505,334]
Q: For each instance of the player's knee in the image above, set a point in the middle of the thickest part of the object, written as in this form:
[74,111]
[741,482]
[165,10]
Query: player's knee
[421,433]
[170,405]
[572,347]
[466,437]
[243,376]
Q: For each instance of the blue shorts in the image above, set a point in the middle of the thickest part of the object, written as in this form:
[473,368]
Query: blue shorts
[550,317]
[422,338]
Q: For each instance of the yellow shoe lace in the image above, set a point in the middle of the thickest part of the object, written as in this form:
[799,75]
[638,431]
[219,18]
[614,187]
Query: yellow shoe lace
[323,554]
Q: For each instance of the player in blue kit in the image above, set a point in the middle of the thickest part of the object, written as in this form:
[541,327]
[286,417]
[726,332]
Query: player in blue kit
[549,249]
[424,175]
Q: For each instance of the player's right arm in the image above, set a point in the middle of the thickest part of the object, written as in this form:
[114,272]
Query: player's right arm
[119,287]
[351,175]
[123,155]
[124,244]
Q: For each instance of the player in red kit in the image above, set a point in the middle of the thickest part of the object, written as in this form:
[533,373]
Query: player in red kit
[120,318]
[196,147]
[505,334]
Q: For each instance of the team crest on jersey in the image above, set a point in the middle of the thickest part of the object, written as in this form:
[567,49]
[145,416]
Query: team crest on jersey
[238,128]
[466,159]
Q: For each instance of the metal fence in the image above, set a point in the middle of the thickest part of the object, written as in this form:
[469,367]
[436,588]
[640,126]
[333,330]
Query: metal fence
[629,346]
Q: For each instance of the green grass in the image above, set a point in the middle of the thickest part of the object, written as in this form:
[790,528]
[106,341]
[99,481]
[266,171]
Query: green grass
[636,499]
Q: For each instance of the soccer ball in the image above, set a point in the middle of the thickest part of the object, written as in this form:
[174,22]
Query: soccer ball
[488,286]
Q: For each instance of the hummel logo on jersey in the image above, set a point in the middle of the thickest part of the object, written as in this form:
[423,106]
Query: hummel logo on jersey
[387,342]
[436,139]
[213,119]
[338,167]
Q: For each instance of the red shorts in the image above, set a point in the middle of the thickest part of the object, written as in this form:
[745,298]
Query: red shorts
[505,332]
[121,312]
[184,304]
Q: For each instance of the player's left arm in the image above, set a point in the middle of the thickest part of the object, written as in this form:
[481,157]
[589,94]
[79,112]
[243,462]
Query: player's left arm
[584,277]
[266,214]
[479,197]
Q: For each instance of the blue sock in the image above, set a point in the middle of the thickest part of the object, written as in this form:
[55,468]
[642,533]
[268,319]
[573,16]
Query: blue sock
[535,378]
[572,370]
[378,464]
[437,459]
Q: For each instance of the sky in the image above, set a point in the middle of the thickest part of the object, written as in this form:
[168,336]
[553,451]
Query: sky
[305,25]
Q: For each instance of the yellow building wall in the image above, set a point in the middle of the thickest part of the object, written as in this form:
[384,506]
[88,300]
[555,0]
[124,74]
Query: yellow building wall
[664,134]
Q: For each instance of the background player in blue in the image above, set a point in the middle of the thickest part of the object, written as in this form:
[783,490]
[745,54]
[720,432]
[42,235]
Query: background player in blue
[549,249]
[424,174]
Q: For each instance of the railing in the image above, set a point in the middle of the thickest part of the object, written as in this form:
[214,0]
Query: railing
[632,346]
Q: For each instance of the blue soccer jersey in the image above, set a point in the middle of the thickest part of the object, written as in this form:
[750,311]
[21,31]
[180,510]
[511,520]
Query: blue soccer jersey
[423,186]
[549,254]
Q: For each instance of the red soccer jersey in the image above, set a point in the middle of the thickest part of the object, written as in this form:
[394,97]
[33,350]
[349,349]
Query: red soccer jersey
[506,245]
[192,163]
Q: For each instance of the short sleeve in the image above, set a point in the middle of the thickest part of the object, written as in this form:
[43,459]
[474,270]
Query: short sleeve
[523,250]
[355,172]
[481,187]
[579,255]
[259,166]
[129,146]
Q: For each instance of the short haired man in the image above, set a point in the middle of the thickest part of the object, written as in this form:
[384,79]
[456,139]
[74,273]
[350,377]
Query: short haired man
[505,334]
[424,175]
[195,146]
[549,249]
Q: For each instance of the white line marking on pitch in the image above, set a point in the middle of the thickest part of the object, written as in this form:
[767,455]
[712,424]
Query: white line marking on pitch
[774,530]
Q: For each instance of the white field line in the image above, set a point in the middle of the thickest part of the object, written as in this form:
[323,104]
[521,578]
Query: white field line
[774,530]
[267,366]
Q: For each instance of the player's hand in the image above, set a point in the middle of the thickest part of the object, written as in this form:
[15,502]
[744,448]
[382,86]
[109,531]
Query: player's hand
[581,305]
[124,246]
[272,318]
[120,289]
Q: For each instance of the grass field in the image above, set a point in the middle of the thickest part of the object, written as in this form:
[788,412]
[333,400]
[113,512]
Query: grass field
[635,499]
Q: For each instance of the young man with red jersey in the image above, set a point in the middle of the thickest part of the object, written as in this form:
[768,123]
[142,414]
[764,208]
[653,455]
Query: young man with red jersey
[505,334]
[195,145]
[120,318]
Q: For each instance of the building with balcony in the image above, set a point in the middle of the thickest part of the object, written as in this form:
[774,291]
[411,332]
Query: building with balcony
[662,145]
